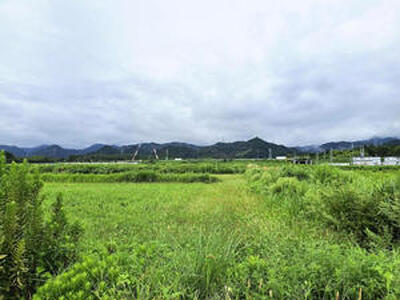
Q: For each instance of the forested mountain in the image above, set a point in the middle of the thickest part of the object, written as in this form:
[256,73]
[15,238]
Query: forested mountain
[53,151]
[346,145]
[253,148]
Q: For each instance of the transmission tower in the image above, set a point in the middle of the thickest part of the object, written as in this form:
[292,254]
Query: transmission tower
[136,152]
[155,153]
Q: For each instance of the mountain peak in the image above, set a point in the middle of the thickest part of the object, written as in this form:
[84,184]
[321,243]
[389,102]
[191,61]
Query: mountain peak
[256,140]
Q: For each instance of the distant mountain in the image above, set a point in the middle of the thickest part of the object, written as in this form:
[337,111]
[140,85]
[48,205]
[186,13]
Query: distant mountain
[92,148]
[309,149]
[53,151]
[253,148]
[346,145]
[16,151]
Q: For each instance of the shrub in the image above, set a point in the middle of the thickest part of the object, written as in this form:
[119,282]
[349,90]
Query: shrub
[367,209]
[93,278]
[30,248]
[288,186]
[300,172]
[350,208]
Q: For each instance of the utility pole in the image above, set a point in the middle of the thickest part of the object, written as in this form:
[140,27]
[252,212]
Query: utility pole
[362,151]
[317,159]
[269,153]
[155,153]
[136,152]
[331,155]
[166,156]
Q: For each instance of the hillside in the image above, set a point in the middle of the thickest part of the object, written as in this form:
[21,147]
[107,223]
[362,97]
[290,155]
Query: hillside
[253,148]
[347,145]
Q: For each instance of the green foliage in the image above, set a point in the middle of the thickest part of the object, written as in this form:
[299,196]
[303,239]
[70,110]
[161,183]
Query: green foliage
[364,205]
[27,243]
[288,186]
[303,232]
[164,167]
[93,278]
[138,176]
[299,172]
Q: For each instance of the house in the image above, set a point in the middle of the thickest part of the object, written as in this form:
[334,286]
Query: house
[367,161]
[391,161]
[302,161]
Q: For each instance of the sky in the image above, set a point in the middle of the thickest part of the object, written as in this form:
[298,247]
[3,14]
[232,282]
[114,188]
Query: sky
[76,72]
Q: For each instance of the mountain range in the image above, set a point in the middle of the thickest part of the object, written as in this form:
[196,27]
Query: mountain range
[253,148]
[346,145]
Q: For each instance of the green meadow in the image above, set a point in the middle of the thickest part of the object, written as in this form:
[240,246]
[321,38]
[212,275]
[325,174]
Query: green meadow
[263,231]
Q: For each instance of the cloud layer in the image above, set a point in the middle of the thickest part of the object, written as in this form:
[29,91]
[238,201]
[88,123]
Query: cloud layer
[294,72]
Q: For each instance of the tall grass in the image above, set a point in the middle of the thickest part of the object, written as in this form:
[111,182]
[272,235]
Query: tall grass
[272,237]
[140,176]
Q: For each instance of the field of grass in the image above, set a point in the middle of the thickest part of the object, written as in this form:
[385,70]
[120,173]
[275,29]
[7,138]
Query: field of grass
[275,232]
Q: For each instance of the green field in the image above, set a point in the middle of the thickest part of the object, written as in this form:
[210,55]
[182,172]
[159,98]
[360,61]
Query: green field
[123,213]
[273,232]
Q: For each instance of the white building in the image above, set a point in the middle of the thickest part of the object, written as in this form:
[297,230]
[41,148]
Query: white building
[391,161]
[281,158]
[367,161]
[339,164]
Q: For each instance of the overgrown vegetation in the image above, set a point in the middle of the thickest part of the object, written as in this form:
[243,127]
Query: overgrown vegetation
[140,176]
[364,205]
[216,167]
[277,232]
[31,247]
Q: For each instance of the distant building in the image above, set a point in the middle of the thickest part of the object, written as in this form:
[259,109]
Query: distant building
[281,158]
[302,161]
[391,161]
[339,164]
[367,161]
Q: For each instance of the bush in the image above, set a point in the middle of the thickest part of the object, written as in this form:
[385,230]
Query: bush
[300,172]
[30,247]
[288,186]
[93,278]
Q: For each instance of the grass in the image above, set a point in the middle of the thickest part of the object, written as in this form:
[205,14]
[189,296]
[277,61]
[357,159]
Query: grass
[232,239]
[124,212]
[138,176]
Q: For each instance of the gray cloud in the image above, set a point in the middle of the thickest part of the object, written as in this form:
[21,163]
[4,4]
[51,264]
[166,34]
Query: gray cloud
[76,73]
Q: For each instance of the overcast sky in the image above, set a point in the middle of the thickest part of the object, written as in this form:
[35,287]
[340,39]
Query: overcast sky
[76,72]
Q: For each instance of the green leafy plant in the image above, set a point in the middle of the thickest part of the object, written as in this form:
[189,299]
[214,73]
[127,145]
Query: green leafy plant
[30,247]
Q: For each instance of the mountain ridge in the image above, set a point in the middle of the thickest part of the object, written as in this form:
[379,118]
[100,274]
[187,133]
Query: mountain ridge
[252,148]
